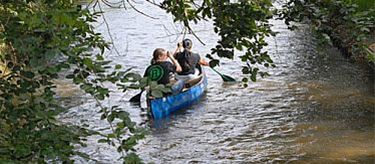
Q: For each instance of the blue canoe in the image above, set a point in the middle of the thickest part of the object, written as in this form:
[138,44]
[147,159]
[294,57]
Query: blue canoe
[162,107]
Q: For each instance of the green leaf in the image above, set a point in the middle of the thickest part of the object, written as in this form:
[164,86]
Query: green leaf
[157,93]
[143,82]
[110,117]
[118,66]
[133,77]
[153,84]
[99,57]
[88,62]
[253,77]
[166,89]
[121,125]
[78,80]
[52,70]
[159,87]
[100,97]
[132,158]
[102,141]
[214,63]
[111,135]
[245,70]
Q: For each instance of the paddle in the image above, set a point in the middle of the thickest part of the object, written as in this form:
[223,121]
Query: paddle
[225,78]
[137,98]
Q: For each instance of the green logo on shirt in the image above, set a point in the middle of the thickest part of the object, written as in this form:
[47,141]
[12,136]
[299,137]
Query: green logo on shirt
[155,72]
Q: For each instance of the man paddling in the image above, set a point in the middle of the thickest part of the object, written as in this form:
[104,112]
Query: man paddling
[189,61]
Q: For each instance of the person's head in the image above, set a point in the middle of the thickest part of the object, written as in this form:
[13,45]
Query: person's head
[160,54]
[187,44]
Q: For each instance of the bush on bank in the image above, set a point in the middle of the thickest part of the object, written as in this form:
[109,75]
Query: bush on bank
[39,39]
[349,24]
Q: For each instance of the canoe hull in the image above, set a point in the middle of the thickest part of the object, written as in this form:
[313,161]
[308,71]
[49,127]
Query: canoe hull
[163,107]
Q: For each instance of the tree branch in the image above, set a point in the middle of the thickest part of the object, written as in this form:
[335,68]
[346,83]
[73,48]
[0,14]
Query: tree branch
[132,6]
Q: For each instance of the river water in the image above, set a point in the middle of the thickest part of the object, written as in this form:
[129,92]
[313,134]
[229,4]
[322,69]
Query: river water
[315,107]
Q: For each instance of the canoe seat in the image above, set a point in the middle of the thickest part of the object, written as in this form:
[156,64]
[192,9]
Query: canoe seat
[192,82]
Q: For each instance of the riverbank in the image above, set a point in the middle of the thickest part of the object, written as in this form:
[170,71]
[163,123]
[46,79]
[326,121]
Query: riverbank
[347,25]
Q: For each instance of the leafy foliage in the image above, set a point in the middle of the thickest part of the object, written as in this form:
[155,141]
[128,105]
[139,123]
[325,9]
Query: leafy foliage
[242,25]
[38,40]
[363,5]
[348,27]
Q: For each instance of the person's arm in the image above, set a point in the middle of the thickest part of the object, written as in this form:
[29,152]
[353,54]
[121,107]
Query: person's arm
[203,62]
[175,62]
[178,49]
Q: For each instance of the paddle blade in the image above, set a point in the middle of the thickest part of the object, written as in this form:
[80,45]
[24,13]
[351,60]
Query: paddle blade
[136,98]
[227,78]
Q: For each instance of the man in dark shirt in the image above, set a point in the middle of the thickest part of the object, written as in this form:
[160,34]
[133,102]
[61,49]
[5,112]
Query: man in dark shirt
[189,62]
[161,69]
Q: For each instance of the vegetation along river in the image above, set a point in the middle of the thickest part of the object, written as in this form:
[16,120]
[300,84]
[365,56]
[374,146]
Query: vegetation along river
[316,106]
